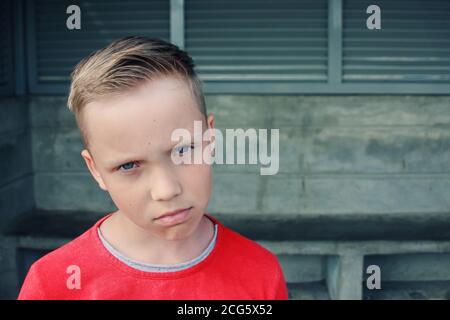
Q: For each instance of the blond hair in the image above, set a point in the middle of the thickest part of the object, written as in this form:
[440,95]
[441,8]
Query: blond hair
[125,64]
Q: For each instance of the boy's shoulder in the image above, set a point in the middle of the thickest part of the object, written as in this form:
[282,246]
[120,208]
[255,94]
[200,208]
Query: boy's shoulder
[48,277]
[239,248]
[78,249]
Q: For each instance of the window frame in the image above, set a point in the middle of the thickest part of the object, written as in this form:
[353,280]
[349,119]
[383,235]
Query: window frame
[335,85]
[8,88]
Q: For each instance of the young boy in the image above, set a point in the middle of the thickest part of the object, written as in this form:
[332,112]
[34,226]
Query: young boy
[128,98]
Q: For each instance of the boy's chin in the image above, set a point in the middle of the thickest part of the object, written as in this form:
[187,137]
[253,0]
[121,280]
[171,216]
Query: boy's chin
[178,232]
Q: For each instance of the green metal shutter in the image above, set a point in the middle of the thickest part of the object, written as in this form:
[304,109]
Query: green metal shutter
[258,40]
[55,50]
[412,46]
[6,49]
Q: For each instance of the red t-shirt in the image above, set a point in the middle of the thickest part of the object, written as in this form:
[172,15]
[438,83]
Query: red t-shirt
[236,268]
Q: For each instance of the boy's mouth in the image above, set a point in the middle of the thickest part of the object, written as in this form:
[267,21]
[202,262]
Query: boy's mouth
[174,216]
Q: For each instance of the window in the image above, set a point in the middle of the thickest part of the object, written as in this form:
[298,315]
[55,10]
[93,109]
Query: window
[256,46]
[254,40]
[54,50]
[413,45]
[6,49]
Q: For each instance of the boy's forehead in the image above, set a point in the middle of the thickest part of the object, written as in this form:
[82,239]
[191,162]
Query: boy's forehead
[147,115]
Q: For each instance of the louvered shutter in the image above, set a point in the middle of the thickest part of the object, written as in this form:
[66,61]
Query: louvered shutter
[258,40]
[412,46]
[56,50]
[6,49]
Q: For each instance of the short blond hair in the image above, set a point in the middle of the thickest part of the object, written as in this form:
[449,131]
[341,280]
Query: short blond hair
[125,64]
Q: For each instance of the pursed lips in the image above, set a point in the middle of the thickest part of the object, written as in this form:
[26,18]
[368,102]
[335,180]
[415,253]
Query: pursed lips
[172,213]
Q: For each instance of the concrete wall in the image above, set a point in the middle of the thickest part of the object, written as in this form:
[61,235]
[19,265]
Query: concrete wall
[16,181]
[386,155]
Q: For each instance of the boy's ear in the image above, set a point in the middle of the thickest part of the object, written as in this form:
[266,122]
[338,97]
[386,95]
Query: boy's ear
[210,121]
[212,138]
[91,166]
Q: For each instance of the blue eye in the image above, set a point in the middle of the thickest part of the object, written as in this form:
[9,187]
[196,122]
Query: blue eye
[184,149]
[127,166]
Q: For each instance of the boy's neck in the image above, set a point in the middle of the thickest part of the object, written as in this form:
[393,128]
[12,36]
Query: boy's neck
[137,244]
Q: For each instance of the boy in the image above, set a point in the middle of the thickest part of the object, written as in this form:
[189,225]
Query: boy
[128,98]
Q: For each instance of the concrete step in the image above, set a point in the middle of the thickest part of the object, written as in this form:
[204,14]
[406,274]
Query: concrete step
[408,290]
[308,291]
[298,227]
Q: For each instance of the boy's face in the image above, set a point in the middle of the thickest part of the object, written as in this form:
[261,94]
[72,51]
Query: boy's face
[130,150]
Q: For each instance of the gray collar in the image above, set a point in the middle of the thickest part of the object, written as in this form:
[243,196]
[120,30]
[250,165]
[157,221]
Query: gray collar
[148,267]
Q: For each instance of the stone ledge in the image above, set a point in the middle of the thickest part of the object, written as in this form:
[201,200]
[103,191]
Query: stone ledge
[364,227]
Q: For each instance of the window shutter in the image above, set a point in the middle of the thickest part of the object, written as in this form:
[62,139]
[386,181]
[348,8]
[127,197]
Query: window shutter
[258,40]
[412,46]
[55,50]
[6,49]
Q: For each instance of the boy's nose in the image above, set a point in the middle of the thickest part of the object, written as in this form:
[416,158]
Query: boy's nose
[164,184]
